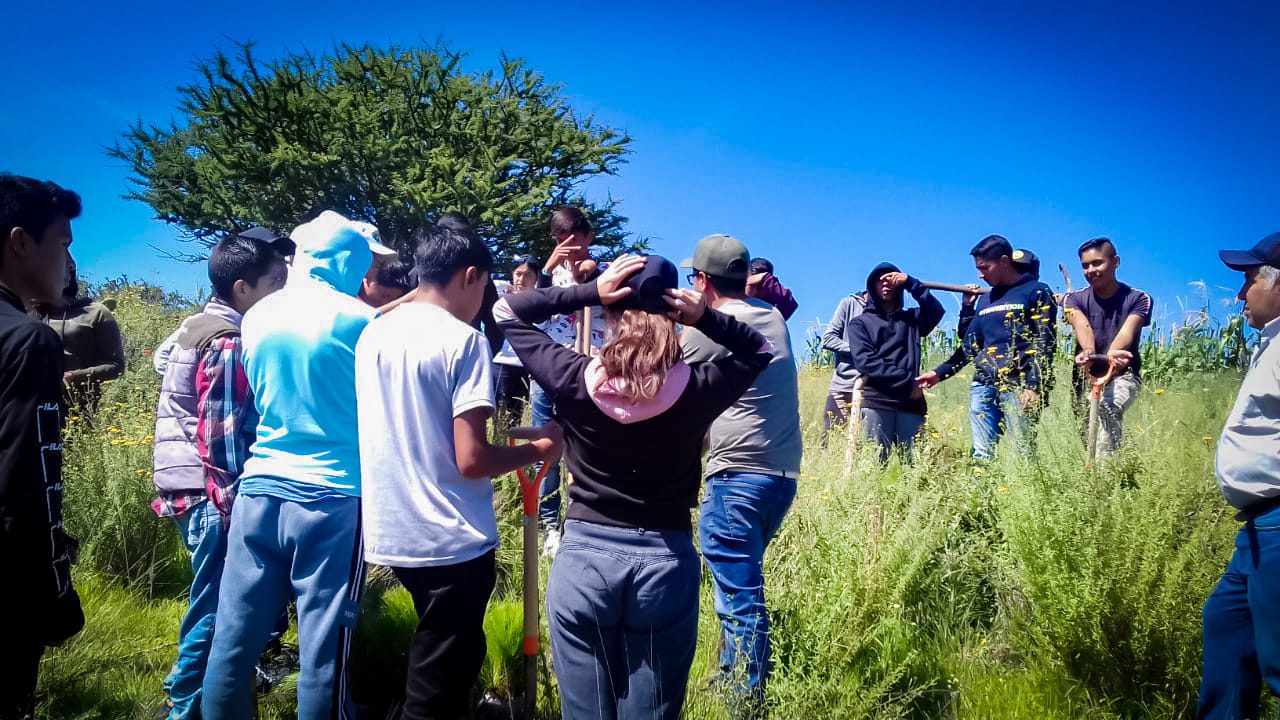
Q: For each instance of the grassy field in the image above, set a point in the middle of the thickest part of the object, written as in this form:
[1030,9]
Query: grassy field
[1027,588]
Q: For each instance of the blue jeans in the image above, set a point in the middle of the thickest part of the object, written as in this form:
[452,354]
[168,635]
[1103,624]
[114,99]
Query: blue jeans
[992,412]
[549,500]
[741,512]
[1241,625]
[622,606]
[276,548]
[203,536]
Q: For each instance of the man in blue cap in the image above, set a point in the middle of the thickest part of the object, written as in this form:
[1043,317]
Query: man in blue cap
[1242,616]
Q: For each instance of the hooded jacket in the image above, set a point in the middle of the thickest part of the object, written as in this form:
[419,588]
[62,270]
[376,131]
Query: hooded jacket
[835,339]
[885,345]
[299,357]
[1011,338]
[634,465]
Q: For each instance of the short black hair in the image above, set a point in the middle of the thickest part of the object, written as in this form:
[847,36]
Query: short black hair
[33,205]
[239,258]
[727,286]
[761,265]
[395,274]
[456,221]
[1099,243]
[992,247]
[570,220]
[441,252]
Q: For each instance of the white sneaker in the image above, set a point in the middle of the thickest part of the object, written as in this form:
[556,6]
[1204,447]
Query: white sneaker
[551,543]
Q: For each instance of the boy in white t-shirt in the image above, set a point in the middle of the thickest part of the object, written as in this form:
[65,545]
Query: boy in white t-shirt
[424,395]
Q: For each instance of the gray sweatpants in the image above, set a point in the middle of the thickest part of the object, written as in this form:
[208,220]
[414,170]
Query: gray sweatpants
[890,428]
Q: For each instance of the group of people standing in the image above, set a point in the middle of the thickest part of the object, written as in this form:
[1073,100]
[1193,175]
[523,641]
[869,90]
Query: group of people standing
[278,499]
[1008,333]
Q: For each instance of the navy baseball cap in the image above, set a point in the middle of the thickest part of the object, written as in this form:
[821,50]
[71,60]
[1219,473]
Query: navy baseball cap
[649,286]
[280,243]
[1266,252]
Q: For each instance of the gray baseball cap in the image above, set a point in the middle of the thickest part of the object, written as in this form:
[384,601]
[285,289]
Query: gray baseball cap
[722,256]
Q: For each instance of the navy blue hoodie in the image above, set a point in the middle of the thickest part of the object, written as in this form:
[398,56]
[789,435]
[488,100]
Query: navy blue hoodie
[886,345]
[1011,339]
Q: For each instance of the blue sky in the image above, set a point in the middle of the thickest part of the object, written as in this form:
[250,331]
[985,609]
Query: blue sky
[825,138]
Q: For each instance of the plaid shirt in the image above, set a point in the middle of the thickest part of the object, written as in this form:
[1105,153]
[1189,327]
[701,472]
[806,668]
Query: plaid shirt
[225,428]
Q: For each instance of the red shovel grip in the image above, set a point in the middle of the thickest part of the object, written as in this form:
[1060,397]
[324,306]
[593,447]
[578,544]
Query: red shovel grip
[529,488]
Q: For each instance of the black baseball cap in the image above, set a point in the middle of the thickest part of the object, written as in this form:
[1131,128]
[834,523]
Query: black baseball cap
[280,243]
[1266,252]
[649,286]
[1026,261]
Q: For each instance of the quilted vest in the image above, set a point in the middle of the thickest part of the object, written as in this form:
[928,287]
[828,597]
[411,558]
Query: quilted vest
[178,468]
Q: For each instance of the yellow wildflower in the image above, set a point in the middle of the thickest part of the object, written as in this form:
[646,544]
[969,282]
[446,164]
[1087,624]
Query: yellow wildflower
[1159,391]
[117,442]
[991,351]
[1002,489]
[113,429]
[977,470]
[1207,438]
[935,436]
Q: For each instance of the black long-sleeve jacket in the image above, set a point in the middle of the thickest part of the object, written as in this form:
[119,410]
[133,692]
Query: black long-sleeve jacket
[35,557]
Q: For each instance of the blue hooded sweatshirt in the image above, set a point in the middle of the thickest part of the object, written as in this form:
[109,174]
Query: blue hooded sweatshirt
[299,356]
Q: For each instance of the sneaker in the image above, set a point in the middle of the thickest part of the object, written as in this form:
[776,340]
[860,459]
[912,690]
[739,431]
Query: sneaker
[551,543]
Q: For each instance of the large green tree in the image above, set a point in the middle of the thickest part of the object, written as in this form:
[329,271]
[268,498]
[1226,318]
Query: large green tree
[393,136]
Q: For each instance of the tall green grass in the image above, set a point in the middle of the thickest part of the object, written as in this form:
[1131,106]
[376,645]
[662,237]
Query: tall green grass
[1030,587]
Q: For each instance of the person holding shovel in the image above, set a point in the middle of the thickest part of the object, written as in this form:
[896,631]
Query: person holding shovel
[1011,342]
[1108,317]
[1241,623]
[424,395]
[622,600]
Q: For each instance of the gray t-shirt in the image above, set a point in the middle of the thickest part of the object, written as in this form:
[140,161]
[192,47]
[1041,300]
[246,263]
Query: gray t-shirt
[760,432]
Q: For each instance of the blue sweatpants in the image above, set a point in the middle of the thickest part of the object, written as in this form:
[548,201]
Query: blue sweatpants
[279,548]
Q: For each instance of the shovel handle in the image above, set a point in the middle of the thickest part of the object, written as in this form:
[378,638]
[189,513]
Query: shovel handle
[949,287]
[529,488]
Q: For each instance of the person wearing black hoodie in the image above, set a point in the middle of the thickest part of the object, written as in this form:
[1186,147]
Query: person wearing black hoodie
[885,344]
[1011,342]
[622,599]
[38,606]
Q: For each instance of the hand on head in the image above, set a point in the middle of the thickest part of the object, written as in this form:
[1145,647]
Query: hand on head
[894,280]
[612,282]
[687,306]
[567,249]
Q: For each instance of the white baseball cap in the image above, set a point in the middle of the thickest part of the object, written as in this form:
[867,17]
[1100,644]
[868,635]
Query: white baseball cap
[371,234]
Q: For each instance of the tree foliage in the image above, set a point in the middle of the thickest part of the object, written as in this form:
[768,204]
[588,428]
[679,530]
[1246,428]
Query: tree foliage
[389,135]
